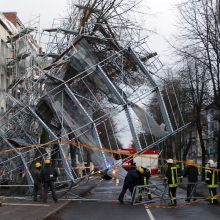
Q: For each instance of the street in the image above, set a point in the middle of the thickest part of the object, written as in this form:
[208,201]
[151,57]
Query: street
[105,206]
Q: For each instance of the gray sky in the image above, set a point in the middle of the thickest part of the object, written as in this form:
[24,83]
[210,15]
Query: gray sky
[162,19]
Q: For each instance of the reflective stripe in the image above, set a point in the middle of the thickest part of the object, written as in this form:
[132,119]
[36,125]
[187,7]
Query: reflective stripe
[212,201]
[145,181]
[213,183]
[174,182]
[172,185]
[171,198]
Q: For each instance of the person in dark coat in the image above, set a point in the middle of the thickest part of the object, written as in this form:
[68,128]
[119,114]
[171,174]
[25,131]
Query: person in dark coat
[145,181]
[37,181]
[132,179]
[191,172]
[49,175]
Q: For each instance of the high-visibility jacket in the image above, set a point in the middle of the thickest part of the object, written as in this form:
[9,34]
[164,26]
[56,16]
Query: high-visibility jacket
[171,176]
[212,178]
[145,177]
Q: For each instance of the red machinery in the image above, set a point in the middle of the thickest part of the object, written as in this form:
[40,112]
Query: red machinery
[148,159]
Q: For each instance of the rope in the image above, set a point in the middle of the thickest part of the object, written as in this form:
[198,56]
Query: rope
[76,144]
[179,206]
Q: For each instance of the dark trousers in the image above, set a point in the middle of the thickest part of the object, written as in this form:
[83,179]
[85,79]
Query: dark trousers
[191,191]
[37,188]
[172,195]
[47,185]
[124,189]
[144,190]
[213,193]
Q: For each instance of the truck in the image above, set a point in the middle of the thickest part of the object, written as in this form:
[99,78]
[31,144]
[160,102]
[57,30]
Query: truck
[130,159]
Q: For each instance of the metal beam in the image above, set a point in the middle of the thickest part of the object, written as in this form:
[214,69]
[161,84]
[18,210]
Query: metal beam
[163,109]
[62,154]
[29,176]
[123,102]
[95,132]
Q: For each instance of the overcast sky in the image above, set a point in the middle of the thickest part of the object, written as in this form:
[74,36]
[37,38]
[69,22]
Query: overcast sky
[162,19]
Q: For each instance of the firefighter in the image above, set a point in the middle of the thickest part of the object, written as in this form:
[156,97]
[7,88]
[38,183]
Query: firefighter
[132,179]
[191,172]
[171,179]
[49,175]
[145,181]
[37,181]
[212,182]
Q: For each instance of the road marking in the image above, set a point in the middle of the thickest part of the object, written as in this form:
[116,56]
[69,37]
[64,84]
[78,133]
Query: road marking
[150,214]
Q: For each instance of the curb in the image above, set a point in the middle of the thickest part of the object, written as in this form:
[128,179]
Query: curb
[55,210]
[51,213]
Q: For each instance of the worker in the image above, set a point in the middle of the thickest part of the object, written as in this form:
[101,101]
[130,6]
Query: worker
[37,181]
[212,182]
[191,172]
[145,181]
[132,179]
[171,179]
[49,175]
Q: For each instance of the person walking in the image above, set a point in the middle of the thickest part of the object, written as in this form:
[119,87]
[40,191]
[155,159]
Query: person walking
[191,172]
[49,175]
[37,181]
[131,180]
[145,181]
[212,182]
[171,179]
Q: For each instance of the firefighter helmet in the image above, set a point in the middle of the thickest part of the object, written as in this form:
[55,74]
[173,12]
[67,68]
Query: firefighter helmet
[37,165]
[190,162]
[212,165]
[47,161]
[140,169]
[170,161]
[210,162]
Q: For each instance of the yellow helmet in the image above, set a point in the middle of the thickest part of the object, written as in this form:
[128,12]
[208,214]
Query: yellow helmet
[47,162]
[37,164]
[140,169]
[190,162]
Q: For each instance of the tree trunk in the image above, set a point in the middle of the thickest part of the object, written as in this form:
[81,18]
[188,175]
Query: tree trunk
[186,150]
[199,129]
[218,153]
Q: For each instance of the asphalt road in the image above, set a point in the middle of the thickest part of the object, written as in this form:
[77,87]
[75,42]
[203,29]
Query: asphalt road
[101,204]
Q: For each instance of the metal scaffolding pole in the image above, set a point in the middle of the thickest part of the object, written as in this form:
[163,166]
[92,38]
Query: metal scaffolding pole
[95,132]
[163,109]
[114,90]
[63,157]
[29,176]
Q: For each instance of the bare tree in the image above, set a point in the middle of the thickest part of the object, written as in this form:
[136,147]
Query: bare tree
[199,43]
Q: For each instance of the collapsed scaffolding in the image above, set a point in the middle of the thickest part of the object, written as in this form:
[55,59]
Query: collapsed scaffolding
[91,63]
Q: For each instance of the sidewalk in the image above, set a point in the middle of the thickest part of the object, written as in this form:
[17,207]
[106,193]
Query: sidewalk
[26,209]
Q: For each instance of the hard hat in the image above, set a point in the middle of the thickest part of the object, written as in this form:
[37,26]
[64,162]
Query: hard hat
[190,162]
[212,165]
[170,161]
[140,169]
[47,162]
[210,162]
[37,165]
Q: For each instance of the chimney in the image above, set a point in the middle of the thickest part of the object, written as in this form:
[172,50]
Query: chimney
[12,17]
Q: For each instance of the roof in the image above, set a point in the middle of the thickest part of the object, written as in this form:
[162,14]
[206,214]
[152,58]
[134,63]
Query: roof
[8,25]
